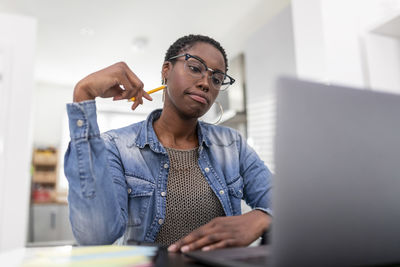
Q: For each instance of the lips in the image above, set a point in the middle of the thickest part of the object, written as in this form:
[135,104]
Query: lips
[198,98]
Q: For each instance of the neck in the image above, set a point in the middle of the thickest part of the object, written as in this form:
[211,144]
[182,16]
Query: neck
[176,132]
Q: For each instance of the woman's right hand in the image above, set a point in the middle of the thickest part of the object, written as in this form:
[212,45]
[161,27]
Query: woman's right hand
[107,83]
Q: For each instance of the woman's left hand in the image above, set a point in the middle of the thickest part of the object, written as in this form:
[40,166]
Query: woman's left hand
[221,232]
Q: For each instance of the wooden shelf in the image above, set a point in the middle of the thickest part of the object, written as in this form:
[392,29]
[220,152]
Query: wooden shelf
[44,175]
[47,177]
[45,158]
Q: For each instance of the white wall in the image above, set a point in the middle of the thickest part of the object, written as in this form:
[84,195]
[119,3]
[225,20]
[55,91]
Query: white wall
[382,44]
[322,40]
[334,43]
[16,88]
[49,101]
[309,46]
[383,62]
[327,41]
[269,53]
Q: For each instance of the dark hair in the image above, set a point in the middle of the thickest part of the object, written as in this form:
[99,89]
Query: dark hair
[186,42]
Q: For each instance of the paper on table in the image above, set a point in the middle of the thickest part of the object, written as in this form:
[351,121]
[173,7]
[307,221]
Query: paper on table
[113,256]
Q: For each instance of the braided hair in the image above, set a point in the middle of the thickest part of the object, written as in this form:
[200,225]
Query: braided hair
[186,42]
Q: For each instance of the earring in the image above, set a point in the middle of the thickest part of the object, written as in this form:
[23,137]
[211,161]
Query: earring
[164,82]
[221,113]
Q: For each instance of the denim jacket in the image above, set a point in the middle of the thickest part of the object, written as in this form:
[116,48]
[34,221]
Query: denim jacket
[118,180]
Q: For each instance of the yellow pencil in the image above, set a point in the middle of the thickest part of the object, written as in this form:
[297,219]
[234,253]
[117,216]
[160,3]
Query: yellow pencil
[151,91]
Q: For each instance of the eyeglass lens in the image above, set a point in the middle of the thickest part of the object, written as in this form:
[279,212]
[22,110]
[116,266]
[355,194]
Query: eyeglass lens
[198,70]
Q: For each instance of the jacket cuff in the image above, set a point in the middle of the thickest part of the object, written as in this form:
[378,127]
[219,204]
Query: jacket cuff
[82,120]
[266,210]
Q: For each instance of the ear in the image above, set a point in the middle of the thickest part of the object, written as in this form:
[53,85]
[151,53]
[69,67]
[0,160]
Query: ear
[166,69]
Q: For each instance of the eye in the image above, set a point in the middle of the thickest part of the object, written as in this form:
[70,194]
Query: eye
[194,69]
[216,81]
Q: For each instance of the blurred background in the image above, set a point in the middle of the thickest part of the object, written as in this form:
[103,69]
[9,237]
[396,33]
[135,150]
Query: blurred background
[47,46]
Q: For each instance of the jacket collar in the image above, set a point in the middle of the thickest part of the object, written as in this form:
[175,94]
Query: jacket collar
[147,136]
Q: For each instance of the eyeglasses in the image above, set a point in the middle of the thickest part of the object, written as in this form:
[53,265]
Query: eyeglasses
[197,68]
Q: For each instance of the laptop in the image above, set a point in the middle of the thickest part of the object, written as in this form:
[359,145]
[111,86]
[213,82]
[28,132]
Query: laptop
[336,196]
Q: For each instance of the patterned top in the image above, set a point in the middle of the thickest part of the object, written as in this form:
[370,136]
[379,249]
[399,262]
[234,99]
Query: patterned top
[191,202]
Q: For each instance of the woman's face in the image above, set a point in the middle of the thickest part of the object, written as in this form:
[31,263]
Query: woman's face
[192,97]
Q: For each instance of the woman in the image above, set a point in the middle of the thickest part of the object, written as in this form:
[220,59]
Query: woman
[170,179]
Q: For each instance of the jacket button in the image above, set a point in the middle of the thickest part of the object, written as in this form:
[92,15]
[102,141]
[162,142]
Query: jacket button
[163,194]
[129,190]
[207,169]
[221,192]
[160,221]
[165,166]
[79,123]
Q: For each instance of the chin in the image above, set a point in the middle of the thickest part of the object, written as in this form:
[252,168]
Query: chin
[194,112]
[187,110]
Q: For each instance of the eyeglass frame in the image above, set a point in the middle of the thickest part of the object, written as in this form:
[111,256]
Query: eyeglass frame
[187,56]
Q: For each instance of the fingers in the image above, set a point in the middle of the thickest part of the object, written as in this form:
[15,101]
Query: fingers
[147,96]
[222,232]
[192,237]
[120,75]
[135,105]
[114,92]
[207,234]
[131,89]
[221,244]
[138,100]
[133,78]
[139,92]
[117,81]
[205,241]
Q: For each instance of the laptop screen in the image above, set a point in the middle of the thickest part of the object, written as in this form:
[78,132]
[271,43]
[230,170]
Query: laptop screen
[337,187]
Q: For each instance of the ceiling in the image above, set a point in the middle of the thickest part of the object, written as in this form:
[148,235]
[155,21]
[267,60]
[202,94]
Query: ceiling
[76,37]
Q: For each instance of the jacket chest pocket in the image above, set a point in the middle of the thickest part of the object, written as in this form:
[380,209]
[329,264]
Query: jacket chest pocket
[235,190]
[140,195]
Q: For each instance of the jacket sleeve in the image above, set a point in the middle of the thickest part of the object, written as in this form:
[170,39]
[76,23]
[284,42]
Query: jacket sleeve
[97,189]
[256,178]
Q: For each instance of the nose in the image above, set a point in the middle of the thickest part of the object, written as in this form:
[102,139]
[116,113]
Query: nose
[204,82]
